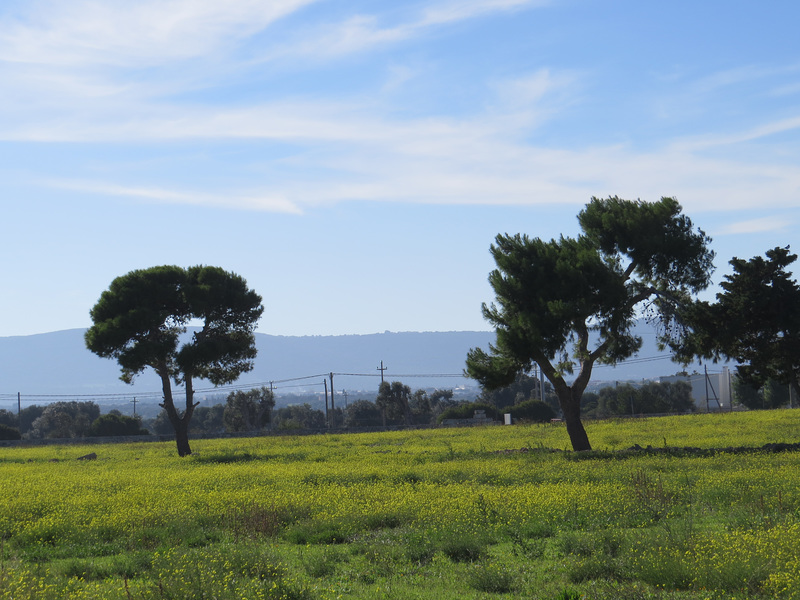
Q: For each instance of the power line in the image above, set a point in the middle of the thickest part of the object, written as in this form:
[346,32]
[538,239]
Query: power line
[431,375]
[271,384]
[221,389]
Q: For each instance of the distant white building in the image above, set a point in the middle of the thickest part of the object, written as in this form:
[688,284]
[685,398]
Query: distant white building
[711,391]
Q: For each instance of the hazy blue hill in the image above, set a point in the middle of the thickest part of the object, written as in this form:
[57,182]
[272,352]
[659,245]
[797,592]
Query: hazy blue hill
[401,353]
[55,363]
[58,364]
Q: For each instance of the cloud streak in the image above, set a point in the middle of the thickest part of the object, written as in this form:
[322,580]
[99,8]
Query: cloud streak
[259,202]
[772,224]
[115,33]
[108,72]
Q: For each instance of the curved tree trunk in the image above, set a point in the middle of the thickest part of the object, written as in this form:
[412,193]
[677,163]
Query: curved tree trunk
[180,423]
[571,408]
[569,399]
[182,437]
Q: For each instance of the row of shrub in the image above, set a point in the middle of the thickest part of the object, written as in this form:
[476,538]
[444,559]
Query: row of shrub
[530,411]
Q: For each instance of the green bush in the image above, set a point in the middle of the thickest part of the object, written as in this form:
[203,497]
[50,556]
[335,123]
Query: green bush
[460,545]
[115,424]
[531,548]
[322,562]
[491,578]
[9,433]
[535,411]
[317,533]
[467,411]
[596,567]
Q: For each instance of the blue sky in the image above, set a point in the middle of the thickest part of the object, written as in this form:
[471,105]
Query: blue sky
[355,160]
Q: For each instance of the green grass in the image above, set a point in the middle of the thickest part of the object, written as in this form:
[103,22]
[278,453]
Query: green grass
[451,513]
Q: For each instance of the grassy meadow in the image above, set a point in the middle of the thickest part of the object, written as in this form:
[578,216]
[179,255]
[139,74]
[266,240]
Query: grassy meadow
[490,512]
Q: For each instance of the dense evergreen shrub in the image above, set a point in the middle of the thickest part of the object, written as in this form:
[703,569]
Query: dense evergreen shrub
[467,411]
[532,410]
[9,433]
[115,424]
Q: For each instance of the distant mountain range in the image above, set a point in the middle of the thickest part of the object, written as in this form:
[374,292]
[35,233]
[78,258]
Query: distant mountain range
[53,365]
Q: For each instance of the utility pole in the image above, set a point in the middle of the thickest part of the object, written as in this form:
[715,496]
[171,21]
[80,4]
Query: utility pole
[327,416]
[381,369]
[333,402]
[541,385]
[134,405]
[344,393]
[272,397]
[713,391]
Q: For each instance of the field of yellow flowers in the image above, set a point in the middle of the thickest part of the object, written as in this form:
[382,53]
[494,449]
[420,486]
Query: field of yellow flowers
[489,512]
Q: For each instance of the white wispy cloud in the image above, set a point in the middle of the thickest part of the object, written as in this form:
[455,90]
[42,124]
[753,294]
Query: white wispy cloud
[69,61]
[747,135]
[270,202]
[777,223]
[460,10]
[132,34]
[468,161]
[89,59]
[364,31]
[93,71]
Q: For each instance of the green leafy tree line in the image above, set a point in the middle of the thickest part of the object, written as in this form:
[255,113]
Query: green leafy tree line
[523,388]
[69,420]
[396,404]
[248,411]
[532,411]
[650,398]
[771,394]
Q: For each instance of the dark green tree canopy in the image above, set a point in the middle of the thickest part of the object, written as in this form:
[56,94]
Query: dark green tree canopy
[248,410]
[659,243]
[393,400]
[9,433]
[534,411]
[362,413]
[300,416]
[116,424]
[65,420]
[523,389]
[770,395]
[755,321]
[8,418]
[466,410]
[141,321]
[649,398]
[568,303]
[208,419]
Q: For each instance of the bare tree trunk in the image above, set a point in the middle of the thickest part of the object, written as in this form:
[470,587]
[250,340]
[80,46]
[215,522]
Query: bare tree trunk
[569,399]
[182,438]
[180,423]
[571,408]
[407,412]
